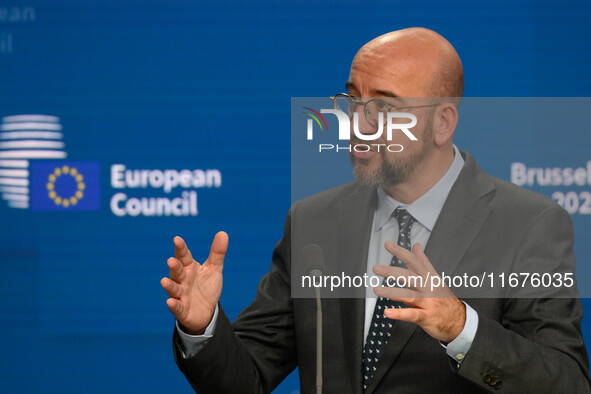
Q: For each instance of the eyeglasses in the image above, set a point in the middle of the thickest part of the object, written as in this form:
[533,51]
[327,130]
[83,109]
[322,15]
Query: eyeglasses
[372,108]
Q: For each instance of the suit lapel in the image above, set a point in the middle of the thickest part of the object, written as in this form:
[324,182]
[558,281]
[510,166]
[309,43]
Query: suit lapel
[464,216]
[461,218]
[355,221]
[401,333]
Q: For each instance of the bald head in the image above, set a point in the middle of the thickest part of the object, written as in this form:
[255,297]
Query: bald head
[416,61]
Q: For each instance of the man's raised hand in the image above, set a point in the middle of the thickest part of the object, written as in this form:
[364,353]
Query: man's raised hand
[194,288]
[436,310]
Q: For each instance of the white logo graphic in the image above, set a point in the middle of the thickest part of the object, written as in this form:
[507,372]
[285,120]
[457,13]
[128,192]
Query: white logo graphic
[22,138]
[345,125]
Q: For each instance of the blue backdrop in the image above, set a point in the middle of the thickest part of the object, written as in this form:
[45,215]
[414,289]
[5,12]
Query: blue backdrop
[197,95]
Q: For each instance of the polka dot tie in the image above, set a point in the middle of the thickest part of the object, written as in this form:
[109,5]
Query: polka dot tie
[381,327]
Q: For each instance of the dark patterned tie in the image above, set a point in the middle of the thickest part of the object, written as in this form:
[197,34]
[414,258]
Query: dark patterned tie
[381,327]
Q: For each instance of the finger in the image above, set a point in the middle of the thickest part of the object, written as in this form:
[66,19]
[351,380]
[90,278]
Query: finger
[412,315]
[176,270]
[417,250]
[182,252]
[219,246]
[400,277]
[412,261]
[407,296]
[176,307]
[173,289]
[388,270]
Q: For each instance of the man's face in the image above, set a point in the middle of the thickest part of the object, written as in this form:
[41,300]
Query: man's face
[399,83]
[380,167]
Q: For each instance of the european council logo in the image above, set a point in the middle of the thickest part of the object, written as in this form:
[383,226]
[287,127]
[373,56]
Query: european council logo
[24,138]
[65,185]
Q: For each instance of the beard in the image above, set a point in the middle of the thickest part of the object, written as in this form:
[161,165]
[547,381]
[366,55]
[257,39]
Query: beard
[390,172]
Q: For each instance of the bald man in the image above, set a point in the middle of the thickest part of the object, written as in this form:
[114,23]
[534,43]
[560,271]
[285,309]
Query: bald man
[441,207]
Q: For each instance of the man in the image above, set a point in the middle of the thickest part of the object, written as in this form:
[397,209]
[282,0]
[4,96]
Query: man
[429,195]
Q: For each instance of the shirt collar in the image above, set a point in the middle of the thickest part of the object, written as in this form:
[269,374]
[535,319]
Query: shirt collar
[425,209]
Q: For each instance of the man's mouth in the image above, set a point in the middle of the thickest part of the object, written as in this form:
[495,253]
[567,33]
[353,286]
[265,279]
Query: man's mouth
[363,150]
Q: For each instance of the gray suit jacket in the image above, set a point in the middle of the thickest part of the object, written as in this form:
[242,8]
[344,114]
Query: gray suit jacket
[521,345]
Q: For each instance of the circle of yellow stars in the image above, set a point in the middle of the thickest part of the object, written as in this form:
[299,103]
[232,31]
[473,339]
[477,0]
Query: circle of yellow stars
[80,186]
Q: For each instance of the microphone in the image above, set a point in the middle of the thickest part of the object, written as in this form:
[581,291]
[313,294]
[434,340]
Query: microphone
[314,259]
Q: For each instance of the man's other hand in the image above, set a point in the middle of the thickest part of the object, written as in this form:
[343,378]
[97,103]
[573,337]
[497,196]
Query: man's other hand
[194,288]
[436,310]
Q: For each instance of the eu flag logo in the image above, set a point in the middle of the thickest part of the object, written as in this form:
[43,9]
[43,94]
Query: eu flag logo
[65,185]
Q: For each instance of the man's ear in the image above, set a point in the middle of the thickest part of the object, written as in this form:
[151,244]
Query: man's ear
[445,120]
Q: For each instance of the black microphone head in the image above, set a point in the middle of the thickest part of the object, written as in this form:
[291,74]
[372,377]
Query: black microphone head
[314,259]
